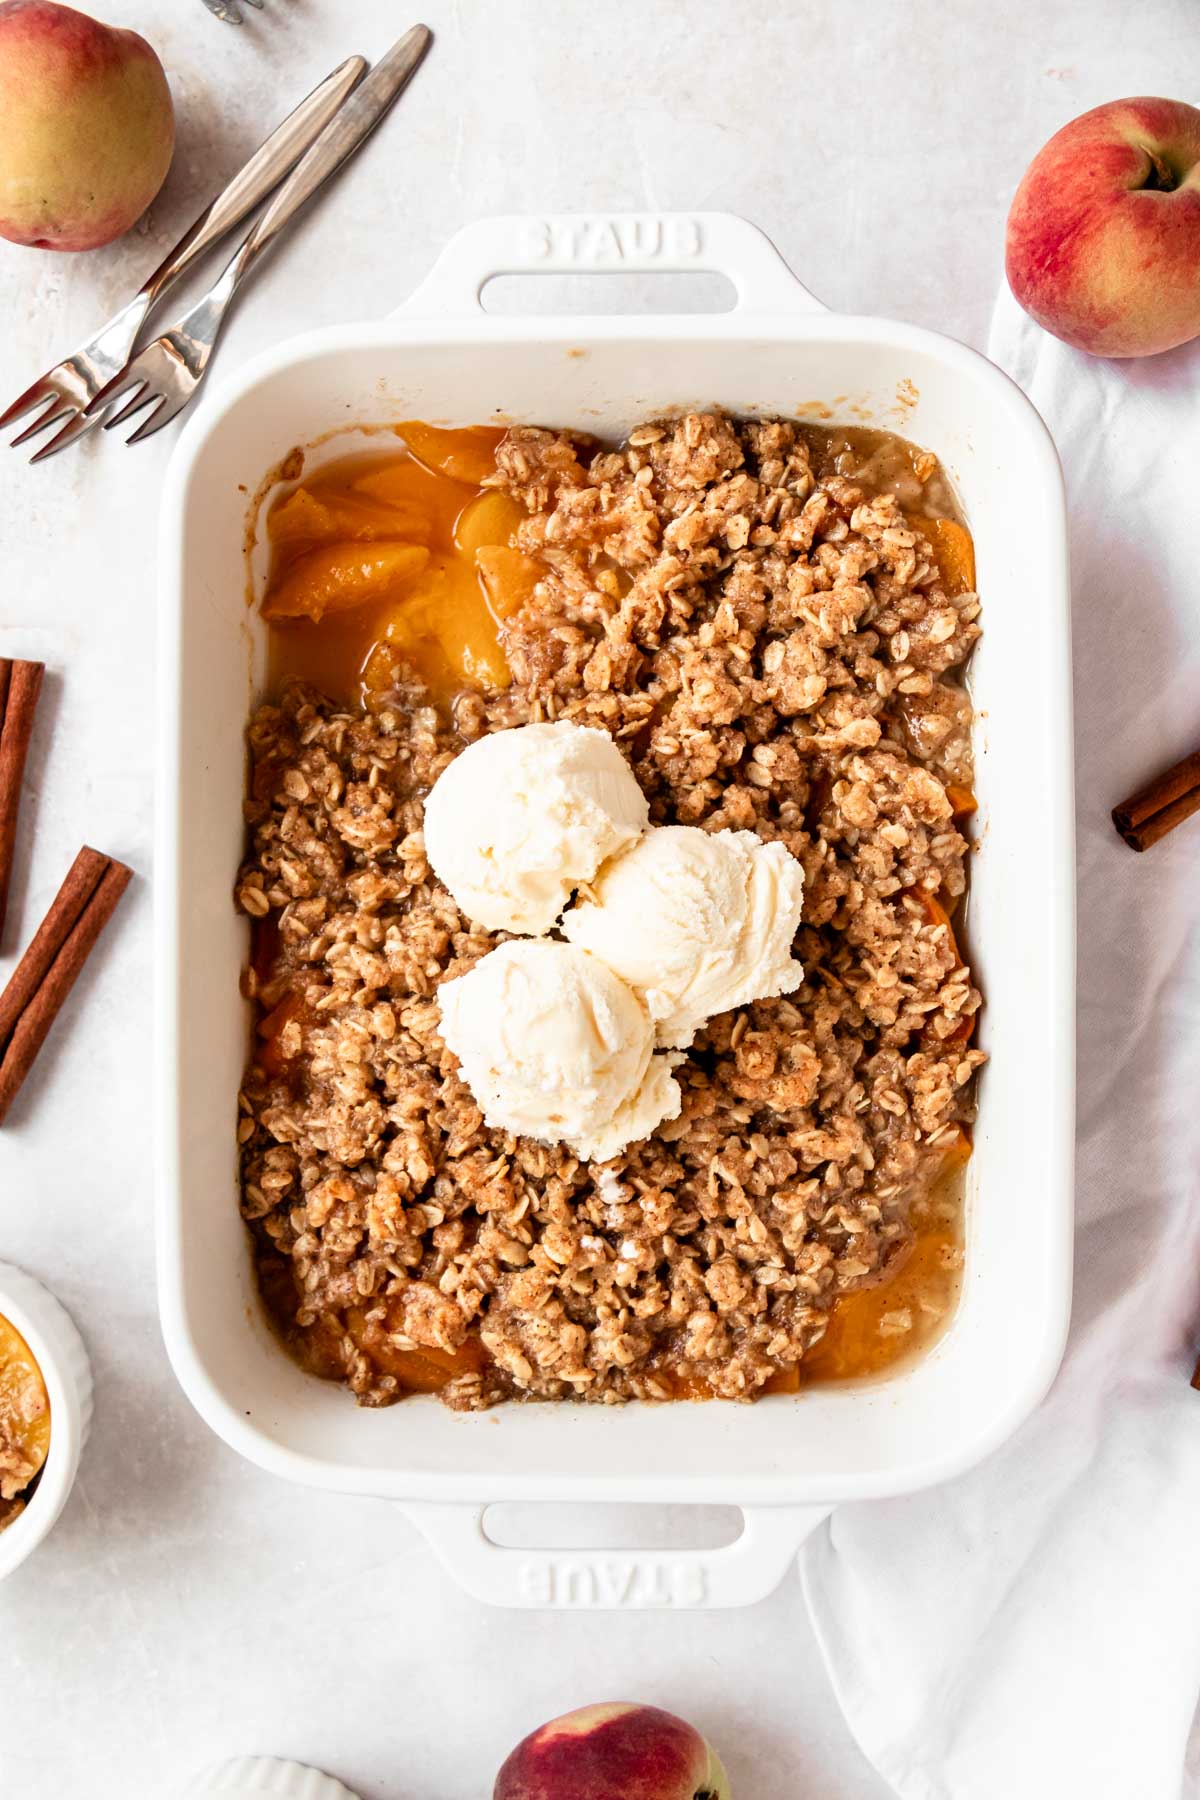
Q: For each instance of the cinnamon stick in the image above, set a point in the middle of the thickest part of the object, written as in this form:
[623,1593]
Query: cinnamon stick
[20,686]
[1160,806]
[53,962]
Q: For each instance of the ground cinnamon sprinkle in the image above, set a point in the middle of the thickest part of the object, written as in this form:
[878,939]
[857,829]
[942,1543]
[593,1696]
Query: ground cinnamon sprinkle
[773,650]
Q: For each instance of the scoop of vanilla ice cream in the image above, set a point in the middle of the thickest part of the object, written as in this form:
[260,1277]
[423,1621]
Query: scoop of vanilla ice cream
[554,1046]
[695,921]
[521,818]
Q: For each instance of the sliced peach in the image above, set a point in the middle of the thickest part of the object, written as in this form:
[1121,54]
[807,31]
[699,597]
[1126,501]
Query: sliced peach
[392,484]
[957,1153]
[442,627]
[300,518]
[270,1030]
[931,906]
[381,670]
[443,1365]
[337,577]
[24,1403]
[962,799]
[416,1373]
[373,520]
[508,576]
[681,1386]
[483,664]
[449,611]
[953,550]
[423,1371]
[355,616]
[958,1039]
[403,655]
[922,1280]
[305,518]
[467,454]
[694,1386]
[963,1032]
[491,518]
[935,913]
[401,483]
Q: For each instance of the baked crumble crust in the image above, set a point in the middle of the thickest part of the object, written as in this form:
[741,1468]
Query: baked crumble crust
[773,652]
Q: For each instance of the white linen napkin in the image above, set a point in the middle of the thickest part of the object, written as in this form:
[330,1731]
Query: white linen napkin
[1033,1629]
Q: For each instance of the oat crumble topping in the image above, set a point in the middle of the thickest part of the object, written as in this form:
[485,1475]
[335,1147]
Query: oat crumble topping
[772,652]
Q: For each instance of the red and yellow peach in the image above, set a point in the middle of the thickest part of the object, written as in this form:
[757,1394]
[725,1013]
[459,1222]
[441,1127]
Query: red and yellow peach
[88,127]
[639,1752]
[1103,243]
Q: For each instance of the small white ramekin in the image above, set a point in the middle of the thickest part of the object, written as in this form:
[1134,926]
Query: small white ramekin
[59,1353]
[250,1777]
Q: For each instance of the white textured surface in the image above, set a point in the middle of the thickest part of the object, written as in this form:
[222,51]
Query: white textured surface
[186,1606]
[1066,1566]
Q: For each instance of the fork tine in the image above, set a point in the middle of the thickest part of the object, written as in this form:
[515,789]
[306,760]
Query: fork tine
[56,410]
[125,381]
[33,396]
[142,395]
[74,428]
[162,415]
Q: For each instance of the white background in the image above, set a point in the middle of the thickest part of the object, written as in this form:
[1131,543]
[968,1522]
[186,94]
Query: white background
[188,1607]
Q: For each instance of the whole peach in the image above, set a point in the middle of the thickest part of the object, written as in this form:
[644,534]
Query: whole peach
[88,127]
[1104,232]
[638,1752]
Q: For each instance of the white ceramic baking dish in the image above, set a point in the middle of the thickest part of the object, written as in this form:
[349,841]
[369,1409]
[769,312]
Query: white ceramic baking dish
[786,1461]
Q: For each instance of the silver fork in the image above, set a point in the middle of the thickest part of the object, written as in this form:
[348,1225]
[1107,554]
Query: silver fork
[65,391]
[168,371]
[229,10]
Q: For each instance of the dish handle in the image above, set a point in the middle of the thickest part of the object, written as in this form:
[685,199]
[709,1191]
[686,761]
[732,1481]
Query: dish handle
[736,1574]
[627,243]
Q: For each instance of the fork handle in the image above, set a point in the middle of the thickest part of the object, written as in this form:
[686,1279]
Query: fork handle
[260,176]
[340,139]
